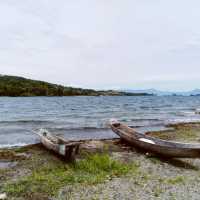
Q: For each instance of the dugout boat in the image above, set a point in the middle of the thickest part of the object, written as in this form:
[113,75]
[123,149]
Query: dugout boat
[155,145]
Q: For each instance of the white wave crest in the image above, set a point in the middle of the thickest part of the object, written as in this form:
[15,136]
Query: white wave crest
[2,146]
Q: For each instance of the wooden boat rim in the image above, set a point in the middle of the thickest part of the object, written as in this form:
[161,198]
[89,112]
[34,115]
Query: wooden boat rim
[155,141]
[64,142]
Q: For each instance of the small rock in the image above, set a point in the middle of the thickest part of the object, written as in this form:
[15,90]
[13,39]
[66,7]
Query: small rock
[23,155]
[3,196]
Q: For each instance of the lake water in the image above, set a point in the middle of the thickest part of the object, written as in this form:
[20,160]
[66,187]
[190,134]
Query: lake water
[87,117]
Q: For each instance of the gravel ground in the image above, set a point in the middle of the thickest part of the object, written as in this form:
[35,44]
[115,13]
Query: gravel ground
[156,179]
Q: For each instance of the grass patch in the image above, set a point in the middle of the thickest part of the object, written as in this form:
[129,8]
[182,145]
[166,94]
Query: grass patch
[181,132]
[49,179]
[176,180]
[20,149]
[157,191]
[3,175]
[154,160]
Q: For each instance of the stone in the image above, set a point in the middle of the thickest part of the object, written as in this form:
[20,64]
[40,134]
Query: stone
[3,196]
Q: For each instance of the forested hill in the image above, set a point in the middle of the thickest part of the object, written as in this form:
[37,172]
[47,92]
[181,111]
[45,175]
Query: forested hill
[19,86]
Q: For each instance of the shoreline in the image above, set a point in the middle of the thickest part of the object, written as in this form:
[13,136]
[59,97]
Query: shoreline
[144,130]
[144,176]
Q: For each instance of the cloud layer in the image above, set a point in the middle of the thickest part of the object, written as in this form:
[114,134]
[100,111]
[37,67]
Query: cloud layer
[102,44]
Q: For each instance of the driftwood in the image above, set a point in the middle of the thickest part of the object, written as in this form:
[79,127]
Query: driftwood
[64,148]
[155,145]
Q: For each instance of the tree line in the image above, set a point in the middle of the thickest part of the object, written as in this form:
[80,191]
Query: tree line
[18,86]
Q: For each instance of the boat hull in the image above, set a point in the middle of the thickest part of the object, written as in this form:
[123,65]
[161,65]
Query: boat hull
[63,148]
[155,145]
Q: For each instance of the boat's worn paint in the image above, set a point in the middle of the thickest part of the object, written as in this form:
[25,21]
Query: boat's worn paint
[147,140]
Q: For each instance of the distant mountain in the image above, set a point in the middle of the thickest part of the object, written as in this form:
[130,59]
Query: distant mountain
[195,92]
[19,86]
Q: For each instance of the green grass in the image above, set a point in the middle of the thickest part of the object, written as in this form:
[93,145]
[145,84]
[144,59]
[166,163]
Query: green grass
[3,174]
[154,160]
[157,191]
[181,132]
[93,169]
[176,180]
[172,181]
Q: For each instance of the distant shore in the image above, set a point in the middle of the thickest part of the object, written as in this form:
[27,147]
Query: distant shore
[14,86]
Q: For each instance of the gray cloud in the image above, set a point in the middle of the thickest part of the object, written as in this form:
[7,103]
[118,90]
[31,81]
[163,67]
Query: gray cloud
[102,44]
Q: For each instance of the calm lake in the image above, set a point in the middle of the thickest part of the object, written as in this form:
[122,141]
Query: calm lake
[87,117]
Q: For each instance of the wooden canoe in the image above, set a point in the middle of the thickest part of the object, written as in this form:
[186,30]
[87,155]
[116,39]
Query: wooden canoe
[155,145]
[66,149]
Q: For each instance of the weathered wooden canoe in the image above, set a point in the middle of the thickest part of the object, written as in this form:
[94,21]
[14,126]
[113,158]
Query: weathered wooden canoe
[155,145]
[66,149]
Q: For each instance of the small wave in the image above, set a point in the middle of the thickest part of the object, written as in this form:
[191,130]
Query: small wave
[140,119]
[192,109]
[2,146]
[25,121]
[188,120]
[188,113]
[197,111]
[145,107]
[77,128]
[185,113]
[147,125]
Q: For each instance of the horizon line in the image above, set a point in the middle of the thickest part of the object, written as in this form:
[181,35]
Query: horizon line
[116,88]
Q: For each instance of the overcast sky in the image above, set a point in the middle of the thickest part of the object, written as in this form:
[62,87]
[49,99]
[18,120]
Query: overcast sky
[103,43]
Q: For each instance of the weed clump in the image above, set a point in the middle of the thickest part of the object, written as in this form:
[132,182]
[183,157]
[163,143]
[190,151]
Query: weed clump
[93,169]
